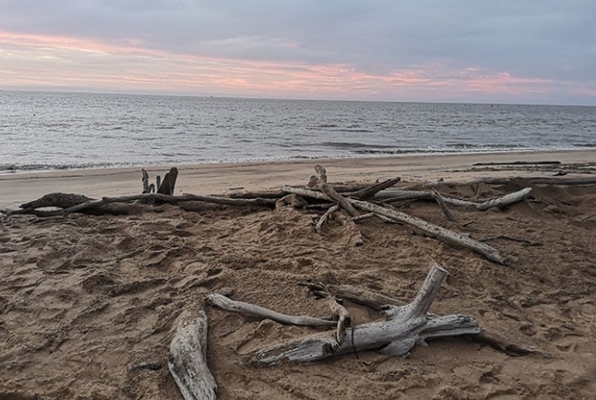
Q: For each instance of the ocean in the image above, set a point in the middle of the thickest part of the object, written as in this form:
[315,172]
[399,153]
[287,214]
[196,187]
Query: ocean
[44,131]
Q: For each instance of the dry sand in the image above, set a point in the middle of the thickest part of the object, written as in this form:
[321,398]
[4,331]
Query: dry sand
[84,298]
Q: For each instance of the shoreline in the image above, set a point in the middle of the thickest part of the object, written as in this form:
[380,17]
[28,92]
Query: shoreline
[220,178]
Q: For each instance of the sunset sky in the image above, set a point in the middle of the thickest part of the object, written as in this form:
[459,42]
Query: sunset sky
[497,51]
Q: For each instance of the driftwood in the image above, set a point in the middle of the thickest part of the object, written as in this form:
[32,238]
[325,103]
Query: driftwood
[441,202]
[169,182]
[540,181]
[405,327]
[374,189]
[79,203]
[325,218]
[59,200]
[377,301]
[390,196]
[221,301]
[187,359]
[344,319]
[439,232]
[320,182]
[484,164]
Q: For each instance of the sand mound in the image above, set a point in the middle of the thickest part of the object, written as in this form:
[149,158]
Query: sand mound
[86,298]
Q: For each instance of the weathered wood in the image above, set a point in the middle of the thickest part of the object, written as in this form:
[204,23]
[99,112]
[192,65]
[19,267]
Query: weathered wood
[406,326]
[506,200]
[439,232]
[344,319]
[325,218]
[377,301]
[187,359]
[147,188]
[541,181]
[374,189]
[320,181]
[169,182]
[221,301]
[390,196]
[59,200]
[485,164]
[439,199]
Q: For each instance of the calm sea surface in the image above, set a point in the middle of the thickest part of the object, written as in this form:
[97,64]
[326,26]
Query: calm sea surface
[40,131]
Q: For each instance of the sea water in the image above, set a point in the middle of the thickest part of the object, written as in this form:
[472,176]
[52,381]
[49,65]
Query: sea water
[43,130]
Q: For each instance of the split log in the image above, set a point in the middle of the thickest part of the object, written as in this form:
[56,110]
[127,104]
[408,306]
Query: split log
[169,182]
[439,232]
[187,359]
[221,301]
[406,326]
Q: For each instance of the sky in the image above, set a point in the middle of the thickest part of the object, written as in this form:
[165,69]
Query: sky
[475,51]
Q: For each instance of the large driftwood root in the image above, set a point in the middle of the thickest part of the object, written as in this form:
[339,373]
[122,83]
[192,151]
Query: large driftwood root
[377,301]
[187,359]
[405,326]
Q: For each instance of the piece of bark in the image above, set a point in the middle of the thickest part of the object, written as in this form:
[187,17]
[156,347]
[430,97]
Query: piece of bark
[407,325]
[187,359]
[221,301]
[169,182]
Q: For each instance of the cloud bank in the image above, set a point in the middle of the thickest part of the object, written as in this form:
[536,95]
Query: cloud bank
[470,51]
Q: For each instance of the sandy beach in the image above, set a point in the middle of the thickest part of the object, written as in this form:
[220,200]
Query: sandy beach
[17,188]
[85,300]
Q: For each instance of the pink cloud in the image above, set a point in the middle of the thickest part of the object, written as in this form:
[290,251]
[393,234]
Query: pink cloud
[34,61]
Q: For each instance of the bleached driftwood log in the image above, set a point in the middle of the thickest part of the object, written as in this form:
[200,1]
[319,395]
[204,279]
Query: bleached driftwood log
[439,232]
[393,195]
[444,234]
[187,359]
[406,326]
[221,301]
